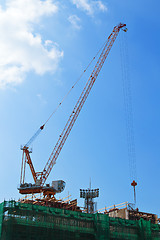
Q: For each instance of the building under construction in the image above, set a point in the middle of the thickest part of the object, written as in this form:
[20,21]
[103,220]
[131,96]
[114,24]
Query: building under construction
[33,221]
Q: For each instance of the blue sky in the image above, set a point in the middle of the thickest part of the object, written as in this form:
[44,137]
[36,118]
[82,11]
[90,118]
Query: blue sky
[44,47]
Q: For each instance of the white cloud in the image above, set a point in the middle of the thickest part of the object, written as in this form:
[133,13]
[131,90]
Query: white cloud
[41,99]
[21,48]
[101,6]
[75,21]
[90,6]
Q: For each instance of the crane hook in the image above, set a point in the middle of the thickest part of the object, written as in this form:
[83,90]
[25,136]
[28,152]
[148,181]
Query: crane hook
[134,184]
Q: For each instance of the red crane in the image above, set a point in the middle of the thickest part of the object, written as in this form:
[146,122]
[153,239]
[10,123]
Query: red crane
[41,177]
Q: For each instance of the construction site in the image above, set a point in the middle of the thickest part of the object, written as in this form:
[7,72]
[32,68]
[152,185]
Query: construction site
[45,219]
[40,215]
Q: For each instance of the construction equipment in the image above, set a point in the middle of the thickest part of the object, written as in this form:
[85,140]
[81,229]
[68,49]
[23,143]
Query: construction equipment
[134,184]
[89,195]
[41,177]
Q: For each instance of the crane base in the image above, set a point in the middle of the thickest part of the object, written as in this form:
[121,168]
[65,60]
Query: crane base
[47,191]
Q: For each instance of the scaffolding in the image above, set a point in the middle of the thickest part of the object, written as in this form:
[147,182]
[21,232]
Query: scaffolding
[32,222]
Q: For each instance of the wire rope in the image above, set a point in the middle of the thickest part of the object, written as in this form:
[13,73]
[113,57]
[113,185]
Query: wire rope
[127,94]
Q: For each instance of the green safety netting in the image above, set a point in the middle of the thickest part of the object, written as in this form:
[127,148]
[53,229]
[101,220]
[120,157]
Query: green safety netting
[32,222]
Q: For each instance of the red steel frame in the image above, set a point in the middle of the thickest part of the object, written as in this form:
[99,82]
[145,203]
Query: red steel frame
[62,138]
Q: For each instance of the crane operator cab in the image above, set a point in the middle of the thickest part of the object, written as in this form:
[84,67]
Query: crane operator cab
[49,190]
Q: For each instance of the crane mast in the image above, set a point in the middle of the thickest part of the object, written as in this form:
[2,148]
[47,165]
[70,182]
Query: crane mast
[41,177]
